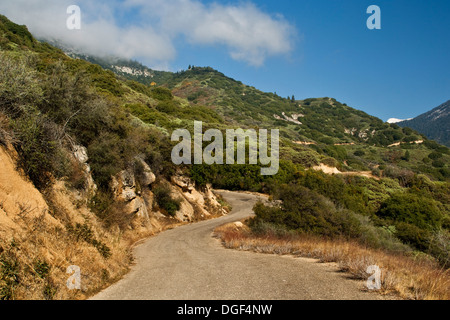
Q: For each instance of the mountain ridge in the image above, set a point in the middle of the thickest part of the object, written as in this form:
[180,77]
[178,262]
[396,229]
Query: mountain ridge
[135,71]
[435,124]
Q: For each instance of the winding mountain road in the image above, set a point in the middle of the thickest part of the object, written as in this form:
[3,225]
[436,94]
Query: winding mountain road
[187,263]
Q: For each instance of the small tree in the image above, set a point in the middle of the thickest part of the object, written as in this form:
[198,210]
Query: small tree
[407,156]
[165,200]
[413,209]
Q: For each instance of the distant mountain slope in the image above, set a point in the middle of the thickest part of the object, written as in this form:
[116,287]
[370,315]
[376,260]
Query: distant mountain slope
[435,124]
[125,68]
[312,131]
[241,104]
[316,120]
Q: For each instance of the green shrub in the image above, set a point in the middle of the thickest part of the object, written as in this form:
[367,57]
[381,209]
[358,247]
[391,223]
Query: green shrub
[162,94]
[331,162]
[199,113]
[412,235]
[196,95]
[168,107]
[165,200]
[439,163]
[426,160]
[307,159]
[404,176]
[376,172]
[19,84]
[102,248]
[37,151]
[380,237]
[407,156]
[412,209]
[326,140]
[148,115]
[139,87]
[263,228]
[105,81]
[337,152]
[435,155]
[106,158]
[16,33]
[305,211]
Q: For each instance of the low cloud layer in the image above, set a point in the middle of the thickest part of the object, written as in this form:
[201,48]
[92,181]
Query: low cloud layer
[149,29]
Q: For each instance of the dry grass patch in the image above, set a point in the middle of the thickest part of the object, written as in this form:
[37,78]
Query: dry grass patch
[409,277]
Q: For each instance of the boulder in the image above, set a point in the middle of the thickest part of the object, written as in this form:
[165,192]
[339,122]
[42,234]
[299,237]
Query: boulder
[81,155]
[138,207]
[127,178]
[186,212]
[183,182]
[146,176]
[128,194]
[211,197]
[124,185]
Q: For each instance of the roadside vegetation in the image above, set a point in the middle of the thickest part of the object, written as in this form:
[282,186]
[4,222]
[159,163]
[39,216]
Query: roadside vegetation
[411,277]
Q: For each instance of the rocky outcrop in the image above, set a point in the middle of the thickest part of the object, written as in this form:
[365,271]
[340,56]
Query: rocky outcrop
[294,118]
[363,134]
[125,188]
[205,202]
[81,155]
[133,186]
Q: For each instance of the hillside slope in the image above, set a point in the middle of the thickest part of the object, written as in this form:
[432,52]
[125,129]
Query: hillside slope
[81,180]
[313,130]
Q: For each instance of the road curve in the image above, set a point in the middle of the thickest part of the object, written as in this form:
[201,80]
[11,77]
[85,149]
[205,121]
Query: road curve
[187,263]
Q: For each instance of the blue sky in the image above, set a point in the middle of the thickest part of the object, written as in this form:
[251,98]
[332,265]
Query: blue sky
[306,48]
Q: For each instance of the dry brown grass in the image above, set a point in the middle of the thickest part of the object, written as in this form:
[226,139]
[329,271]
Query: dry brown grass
[408,277]
[36,246]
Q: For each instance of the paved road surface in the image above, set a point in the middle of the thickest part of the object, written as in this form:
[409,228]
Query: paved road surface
[187,263]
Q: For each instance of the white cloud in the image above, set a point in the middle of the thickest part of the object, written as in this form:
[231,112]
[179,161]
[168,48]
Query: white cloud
[100,34]
[247,33]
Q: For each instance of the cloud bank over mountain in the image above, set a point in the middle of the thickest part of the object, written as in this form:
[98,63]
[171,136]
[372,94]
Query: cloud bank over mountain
[150,29]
